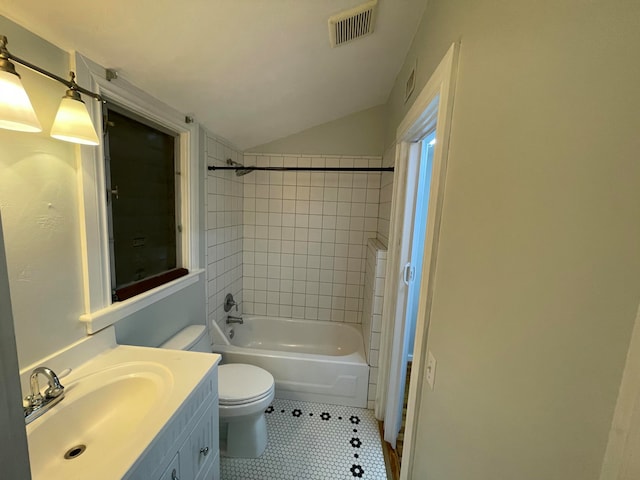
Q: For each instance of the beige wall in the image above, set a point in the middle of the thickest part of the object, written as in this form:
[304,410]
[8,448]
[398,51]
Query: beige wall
[538,273]
[361,133]
[39,202]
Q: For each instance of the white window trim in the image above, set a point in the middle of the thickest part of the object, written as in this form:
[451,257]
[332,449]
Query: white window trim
[99,310]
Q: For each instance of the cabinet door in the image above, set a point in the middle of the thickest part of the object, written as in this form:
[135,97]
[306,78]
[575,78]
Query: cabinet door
[173,470]
[213,473]
[201,447]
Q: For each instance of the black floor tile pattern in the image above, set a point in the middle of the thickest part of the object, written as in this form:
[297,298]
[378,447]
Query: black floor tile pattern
[314,441]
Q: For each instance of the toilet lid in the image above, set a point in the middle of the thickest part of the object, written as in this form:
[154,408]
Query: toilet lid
[240,383]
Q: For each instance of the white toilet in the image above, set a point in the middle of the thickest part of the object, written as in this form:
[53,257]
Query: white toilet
[244,392]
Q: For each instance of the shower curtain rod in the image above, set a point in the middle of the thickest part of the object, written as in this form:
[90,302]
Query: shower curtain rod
[306,169]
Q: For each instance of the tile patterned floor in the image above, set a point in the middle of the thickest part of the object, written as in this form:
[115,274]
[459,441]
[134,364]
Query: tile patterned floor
[314,441]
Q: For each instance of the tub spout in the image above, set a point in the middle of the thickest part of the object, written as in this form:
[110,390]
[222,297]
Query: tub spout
[232,319]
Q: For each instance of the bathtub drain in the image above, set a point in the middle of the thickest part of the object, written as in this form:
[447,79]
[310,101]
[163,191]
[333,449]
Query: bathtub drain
[75,452]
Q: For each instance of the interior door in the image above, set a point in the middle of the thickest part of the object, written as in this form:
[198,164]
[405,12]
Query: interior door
[418,239]
[393,410]
[411,253]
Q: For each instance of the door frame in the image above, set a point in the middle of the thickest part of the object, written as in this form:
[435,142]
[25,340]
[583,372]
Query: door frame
[433,106]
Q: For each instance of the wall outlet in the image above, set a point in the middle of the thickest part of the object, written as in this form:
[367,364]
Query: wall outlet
[431,369]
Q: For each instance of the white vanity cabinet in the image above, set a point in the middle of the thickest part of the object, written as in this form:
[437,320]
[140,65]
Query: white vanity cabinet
[187,448]
[173,470]
[199,453]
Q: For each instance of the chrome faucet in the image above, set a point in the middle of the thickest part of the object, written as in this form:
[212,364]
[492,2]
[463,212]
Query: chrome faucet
[232,319]
[37,404]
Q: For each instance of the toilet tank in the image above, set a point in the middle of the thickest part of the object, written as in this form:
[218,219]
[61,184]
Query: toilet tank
[193,338]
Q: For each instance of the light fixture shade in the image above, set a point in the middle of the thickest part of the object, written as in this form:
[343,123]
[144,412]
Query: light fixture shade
[16,112]
[73,124]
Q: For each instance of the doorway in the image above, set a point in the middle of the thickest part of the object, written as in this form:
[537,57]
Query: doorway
[420,161]
[413,277]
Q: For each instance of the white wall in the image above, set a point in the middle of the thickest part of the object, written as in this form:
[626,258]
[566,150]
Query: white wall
[152,326]
[361,133]
[305,236]
[39,202]
[538,270]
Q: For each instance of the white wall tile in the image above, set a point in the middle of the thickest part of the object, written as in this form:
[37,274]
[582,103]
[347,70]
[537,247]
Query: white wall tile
[226,214]
[306,233]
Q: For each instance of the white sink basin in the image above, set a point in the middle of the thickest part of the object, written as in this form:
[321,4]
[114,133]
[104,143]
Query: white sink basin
[98,412]
[114,407]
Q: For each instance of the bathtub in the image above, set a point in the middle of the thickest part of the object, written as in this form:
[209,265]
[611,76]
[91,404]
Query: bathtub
[310,360]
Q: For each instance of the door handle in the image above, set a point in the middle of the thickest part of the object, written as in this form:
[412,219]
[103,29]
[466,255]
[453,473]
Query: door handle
[409,273]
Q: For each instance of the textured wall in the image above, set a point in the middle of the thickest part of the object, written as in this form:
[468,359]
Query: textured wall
[39,202]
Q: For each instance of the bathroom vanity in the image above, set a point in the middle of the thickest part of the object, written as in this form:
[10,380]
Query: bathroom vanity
[187,448]
[128,412]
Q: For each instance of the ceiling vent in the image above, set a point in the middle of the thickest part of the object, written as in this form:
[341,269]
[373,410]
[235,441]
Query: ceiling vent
[352,24]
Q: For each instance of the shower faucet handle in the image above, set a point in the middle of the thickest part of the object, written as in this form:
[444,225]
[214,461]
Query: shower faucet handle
[229,302]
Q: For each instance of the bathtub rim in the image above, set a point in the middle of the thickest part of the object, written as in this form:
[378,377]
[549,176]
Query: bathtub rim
[357,357]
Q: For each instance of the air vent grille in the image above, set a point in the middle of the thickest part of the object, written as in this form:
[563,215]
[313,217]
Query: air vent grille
[352,24]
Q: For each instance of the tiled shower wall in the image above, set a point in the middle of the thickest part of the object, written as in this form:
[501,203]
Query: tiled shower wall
[305,237]
[375,270]
[224,207]
[386,193]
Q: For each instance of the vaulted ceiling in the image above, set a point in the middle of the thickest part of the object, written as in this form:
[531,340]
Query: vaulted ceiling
[251,71]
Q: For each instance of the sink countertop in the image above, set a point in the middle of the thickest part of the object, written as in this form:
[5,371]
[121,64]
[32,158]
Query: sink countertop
[138,374]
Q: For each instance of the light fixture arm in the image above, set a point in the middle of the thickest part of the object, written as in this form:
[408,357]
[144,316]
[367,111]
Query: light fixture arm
[5,62]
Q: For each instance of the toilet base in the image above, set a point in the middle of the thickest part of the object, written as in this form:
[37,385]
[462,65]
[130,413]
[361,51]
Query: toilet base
[243,437]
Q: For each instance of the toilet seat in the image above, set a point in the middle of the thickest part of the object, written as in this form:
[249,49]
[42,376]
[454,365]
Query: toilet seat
[230,413]
[240,384]
[244,401]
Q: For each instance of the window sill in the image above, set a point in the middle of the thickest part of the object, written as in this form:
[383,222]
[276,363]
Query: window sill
[96,321]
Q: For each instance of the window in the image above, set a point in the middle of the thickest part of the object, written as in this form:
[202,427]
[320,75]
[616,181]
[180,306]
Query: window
[100,310]
[143,202]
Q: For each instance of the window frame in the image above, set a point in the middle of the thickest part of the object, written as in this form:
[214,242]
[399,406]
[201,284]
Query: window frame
[99,310]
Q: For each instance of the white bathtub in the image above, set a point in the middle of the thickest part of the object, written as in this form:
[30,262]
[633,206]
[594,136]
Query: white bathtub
[310,360]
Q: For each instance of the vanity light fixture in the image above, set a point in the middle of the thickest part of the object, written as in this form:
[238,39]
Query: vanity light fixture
[72,122]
